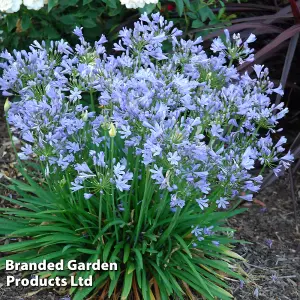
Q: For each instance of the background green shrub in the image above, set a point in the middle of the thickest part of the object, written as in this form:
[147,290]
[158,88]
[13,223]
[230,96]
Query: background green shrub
[97,17]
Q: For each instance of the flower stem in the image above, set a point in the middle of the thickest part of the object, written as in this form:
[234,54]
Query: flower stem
[12,141]
[100,211]
[92,101]
[113,188]
[173,223]
[141,215]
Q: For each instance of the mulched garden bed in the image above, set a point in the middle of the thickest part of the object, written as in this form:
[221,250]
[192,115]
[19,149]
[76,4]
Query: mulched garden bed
[273,258]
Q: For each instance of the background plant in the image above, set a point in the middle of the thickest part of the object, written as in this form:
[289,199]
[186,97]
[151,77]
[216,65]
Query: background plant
[56,20]
[139,151]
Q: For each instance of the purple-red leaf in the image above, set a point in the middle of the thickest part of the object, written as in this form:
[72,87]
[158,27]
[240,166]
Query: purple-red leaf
[239,27]
[295,10]
[248,7]
[274,17]
[271,47]
[284,11]
[288,63]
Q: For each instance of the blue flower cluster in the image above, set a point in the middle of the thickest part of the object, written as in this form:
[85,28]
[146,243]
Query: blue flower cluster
[189,116]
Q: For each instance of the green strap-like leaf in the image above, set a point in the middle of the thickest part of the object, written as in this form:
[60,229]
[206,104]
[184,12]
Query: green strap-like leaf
[139,258]
[127,283]
[126,253]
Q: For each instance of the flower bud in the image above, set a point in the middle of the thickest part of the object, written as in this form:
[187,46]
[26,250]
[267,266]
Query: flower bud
[7,105]
[112,130]
[176,137]
[84,116]
[47,171]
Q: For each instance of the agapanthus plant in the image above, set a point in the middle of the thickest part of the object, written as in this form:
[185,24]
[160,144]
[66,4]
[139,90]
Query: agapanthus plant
[144,154]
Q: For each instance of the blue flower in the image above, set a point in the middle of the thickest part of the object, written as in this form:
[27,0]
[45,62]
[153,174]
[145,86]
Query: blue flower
[157,174]
[173,158]
[75,95]
[222,203]
[216,130]
[216,243]
[119,170]
[202,203]
[87,196]
[78,31]
[75,187]
[176,202]
[248,197]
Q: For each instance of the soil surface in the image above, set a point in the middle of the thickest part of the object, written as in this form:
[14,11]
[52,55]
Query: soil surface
[273,258]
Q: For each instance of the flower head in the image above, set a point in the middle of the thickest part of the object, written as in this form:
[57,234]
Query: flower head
[137,3]
[10,6]
[35,4]
[187,116]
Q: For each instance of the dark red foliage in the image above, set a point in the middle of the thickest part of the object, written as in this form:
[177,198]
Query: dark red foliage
[295,10]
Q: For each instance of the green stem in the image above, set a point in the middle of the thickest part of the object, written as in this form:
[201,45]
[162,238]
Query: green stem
[100,211]
[173,223]
[87,201]
[69,184]
[47,177]
[113,188]
[141,215]
[12,141]
[135,178]
[106,157]
[162,207]
[92,101]
[231,62]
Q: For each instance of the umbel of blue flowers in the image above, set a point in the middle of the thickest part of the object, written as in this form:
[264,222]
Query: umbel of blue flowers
[182,124]
[190,116]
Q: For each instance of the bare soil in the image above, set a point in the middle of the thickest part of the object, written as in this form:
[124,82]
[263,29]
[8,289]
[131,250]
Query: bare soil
[273,258]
